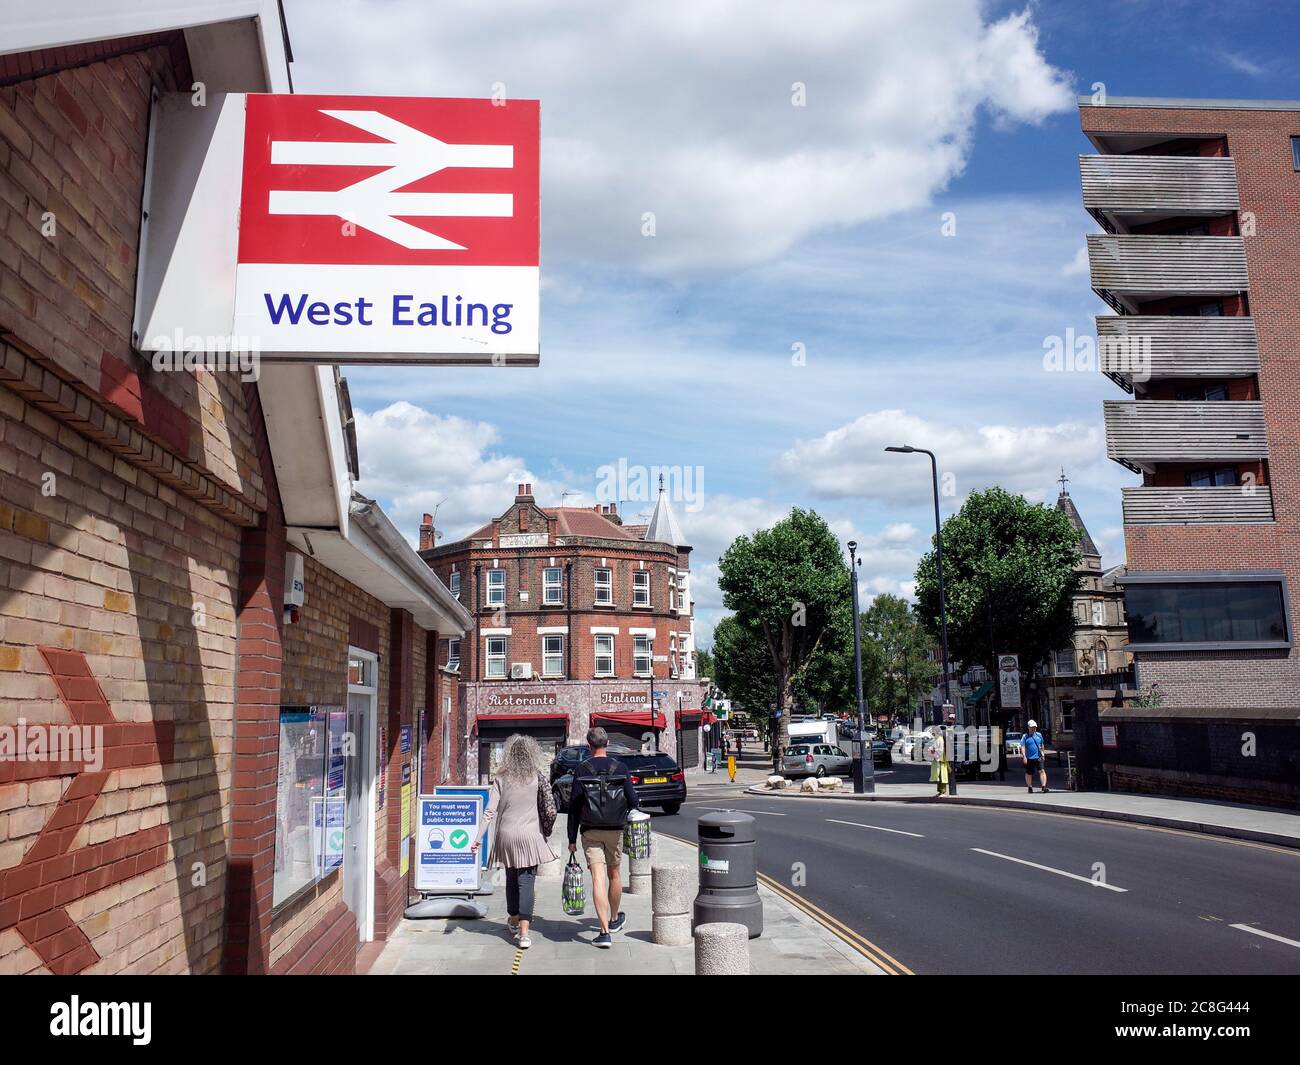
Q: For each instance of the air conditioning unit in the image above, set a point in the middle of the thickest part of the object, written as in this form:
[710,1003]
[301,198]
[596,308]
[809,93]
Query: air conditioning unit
[521,670]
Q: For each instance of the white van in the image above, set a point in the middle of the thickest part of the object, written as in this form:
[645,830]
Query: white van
[814,731]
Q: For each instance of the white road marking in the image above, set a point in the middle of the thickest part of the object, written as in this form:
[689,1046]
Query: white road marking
[735,810]
[1049,869]
[1266,935]
[878,828]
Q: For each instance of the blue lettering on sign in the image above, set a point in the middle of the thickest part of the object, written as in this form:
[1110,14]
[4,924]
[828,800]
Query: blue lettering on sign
[444,311]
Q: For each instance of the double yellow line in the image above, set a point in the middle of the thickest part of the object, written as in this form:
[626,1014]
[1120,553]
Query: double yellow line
[890,965]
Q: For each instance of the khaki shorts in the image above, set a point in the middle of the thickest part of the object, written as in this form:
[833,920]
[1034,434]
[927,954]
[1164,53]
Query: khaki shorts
[603,846]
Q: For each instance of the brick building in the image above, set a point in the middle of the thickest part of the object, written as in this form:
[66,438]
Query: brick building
[578,619]
[219,687]
[1096,659]
[1200,203]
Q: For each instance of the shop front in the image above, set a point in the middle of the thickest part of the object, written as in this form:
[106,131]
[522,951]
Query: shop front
[640,730]
[550,730]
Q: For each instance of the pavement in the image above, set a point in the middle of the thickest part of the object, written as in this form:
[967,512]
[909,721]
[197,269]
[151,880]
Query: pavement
[1232,820]
[795,940]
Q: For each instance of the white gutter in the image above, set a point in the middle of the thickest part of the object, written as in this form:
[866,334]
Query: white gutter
[367,514]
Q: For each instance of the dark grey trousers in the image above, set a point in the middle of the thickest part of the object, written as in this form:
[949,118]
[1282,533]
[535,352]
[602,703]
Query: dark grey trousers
[519,892]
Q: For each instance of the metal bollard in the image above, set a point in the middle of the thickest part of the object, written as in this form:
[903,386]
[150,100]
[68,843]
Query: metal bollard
[721,949]
[728,876]
[670,900]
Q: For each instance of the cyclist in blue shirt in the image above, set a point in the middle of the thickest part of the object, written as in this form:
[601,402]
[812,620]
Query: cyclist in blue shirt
[1032,747]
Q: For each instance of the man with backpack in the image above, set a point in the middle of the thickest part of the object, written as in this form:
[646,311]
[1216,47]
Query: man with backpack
[601,798]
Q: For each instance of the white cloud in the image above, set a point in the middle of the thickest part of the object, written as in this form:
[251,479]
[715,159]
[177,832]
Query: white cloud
[685,109]
[414,462]
[851,462]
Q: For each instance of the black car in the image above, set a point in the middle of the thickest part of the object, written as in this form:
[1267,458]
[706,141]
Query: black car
[656,778]
[882,754]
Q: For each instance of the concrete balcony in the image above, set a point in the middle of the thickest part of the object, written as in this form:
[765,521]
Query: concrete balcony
[1128,270]
[1123,190]
[1226,505]
[1142,434]
[1145,347]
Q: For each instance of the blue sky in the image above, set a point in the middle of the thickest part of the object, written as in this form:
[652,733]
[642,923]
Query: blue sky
[784,229]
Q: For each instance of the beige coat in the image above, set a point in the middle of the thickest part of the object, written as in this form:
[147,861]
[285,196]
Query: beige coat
[518,842]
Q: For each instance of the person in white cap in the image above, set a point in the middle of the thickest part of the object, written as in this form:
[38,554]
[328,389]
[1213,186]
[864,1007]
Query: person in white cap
[1032,748]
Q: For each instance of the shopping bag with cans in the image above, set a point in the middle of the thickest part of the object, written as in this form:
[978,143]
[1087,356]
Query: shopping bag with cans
[636,835]
[573,893]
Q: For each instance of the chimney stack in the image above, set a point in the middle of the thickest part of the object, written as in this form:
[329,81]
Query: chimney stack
[524,493]
[427,538]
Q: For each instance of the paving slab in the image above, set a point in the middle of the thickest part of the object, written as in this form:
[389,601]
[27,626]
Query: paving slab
[793,942]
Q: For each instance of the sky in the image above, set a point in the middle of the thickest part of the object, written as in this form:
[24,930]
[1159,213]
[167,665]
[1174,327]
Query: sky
[776,238]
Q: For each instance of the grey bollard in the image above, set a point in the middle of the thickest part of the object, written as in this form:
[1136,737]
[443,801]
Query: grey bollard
[671,889]
[728,875]
[721,949]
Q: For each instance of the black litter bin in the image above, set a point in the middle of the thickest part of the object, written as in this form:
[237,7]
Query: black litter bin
[728,876]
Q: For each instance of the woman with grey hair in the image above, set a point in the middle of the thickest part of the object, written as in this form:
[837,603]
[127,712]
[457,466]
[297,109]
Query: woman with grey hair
[523,810]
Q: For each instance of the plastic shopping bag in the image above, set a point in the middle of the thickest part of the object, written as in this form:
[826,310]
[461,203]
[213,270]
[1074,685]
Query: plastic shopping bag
[573,893]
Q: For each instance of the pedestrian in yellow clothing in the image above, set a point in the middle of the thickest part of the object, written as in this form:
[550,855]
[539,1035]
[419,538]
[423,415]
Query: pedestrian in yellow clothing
[939,768]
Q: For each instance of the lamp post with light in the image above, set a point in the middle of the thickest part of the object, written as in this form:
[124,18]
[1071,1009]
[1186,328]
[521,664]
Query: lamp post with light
[943,608]
[864,769]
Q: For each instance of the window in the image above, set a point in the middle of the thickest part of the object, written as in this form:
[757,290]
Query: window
[1215,393]
[1067,717]
[1295,153]
[1098,613]
[672,655]
[1169,612]
[604,587]
[496,587]
[1212,309]
[641,588]
[642,655]
[552,656]
[1065,662]
[552,588]
[453,655]
[301,802]
[1103,661]
[1215,478]
[453,583]
[604,656]
[496,656]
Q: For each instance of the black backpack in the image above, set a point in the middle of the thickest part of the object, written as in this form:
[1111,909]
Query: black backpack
[605,801]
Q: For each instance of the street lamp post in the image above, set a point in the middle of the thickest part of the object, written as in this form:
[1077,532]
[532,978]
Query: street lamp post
[864,769]
[943,608]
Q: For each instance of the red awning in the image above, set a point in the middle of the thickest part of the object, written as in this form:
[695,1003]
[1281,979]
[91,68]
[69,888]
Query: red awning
[506,719]
[709,718]
[633,717]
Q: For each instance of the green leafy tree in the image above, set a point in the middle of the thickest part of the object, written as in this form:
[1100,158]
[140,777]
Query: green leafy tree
[704,667]
[895,657]
[743,667]
[789,584]
[826,683]
[1009,569]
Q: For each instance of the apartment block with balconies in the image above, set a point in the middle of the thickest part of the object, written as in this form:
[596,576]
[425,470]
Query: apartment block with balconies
[1200,266]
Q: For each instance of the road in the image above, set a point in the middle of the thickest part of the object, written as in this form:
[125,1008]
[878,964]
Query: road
[944,890]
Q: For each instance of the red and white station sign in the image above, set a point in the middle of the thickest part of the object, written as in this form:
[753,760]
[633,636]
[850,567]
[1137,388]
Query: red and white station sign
[389,224]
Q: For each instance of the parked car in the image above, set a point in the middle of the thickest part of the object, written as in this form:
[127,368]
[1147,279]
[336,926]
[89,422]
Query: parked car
[1015,741]
[882,753]
[815,760]
[656,777]
[911,748]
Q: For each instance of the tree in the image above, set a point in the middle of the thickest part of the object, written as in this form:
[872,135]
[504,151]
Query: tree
[742,667]
[826,684]
[789,584]
[1010,572]
[704,667]
[895,657]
